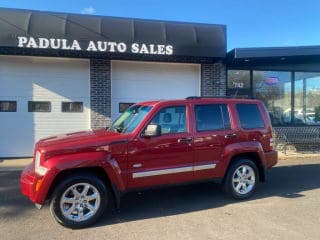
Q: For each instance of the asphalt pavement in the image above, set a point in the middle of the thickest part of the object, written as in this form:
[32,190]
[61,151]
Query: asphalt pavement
[287,206]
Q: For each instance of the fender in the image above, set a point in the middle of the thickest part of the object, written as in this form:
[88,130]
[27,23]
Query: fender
[111,165]
[234,149]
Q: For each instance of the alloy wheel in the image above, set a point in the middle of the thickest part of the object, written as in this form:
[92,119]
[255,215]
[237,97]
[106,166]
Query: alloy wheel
[80,202]
[243,179]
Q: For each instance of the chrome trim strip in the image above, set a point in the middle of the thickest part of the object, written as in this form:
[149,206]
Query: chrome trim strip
[204,167]
[173,170]
[161,172]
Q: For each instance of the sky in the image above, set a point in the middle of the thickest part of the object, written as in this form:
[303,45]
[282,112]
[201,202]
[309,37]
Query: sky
[250,23]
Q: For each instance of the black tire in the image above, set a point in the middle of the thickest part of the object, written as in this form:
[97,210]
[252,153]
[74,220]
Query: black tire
[231,188]
[80,178]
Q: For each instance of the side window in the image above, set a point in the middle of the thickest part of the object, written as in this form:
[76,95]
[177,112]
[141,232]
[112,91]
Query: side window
[171,119]
[212,117]
[8,106]
[124,106]
[37,106]
[72,106]
[249,116]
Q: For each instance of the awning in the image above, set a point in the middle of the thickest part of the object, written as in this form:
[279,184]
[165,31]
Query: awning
[273,57]
[38,32]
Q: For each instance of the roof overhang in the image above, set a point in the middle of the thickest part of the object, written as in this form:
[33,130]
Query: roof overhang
[49,33]
[239,57]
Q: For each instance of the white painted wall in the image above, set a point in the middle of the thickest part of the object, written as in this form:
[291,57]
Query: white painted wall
[140,81]
[41,79]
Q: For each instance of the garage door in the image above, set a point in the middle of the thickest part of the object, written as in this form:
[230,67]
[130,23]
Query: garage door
[40,97]
[139,81]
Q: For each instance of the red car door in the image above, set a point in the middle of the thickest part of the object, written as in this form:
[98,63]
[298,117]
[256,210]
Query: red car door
[164,159]
[212,132]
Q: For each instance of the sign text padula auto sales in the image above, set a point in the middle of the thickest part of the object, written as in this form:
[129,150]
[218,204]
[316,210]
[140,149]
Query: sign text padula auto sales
[94,46]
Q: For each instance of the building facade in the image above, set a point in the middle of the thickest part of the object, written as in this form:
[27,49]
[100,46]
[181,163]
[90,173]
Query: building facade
[62,73]
[287,80]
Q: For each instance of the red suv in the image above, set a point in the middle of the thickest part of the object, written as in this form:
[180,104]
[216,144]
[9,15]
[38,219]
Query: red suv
[152,143]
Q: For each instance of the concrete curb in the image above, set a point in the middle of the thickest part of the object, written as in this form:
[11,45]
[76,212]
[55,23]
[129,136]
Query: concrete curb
[14,164]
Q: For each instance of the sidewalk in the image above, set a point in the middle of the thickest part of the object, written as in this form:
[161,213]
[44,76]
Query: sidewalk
[14,164]
[298,156]
[19,163]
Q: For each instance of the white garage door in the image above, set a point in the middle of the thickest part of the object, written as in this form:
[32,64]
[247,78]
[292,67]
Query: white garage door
[28,80]
[139,81]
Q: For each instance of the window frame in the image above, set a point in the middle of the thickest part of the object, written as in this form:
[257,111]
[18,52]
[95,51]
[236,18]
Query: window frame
[259,110]
[10,102]
[169,106]
[293,98]
[292,73]
[222,117]
[30,104]
[82,108]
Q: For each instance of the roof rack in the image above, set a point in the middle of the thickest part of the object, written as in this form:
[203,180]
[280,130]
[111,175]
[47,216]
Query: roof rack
[227,97]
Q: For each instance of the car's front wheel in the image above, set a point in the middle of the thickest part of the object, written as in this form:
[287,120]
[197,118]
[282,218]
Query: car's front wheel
[79,201]
[241,179]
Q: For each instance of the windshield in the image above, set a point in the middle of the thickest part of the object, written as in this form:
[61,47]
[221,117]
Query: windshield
[130,119]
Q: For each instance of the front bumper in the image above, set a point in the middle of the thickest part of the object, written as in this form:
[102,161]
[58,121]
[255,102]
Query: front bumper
[271,158]
[28,182]
[32,185]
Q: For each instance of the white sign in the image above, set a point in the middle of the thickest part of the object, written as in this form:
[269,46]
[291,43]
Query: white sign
[95,46]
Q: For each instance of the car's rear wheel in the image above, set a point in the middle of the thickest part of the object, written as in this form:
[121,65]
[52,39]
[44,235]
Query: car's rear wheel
[241,179]
[79,201]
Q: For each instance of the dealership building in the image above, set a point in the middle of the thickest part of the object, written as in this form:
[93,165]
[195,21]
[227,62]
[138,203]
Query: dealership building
[64,72]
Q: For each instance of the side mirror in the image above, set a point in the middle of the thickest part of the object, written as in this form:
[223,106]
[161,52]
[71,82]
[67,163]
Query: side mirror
[152,130]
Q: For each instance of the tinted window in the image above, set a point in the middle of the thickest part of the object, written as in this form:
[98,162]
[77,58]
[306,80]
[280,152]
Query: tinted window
[212,117]
[8,106]
[39,106]
[124,106]
[72,107]
[171,119]
[130,119]
[249,116]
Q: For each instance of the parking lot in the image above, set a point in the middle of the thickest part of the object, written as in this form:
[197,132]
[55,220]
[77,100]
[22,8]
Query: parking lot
[287,206]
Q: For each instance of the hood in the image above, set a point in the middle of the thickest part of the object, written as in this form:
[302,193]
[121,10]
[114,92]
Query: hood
[78,141]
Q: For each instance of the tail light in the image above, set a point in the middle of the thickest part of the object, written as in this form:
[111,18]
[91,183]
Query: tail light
[271,143]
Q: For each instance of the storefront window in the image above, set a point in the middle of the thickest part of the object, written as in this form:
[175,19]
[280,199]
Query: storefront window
[238,79]
[239,83]
[307,98]
[274,89]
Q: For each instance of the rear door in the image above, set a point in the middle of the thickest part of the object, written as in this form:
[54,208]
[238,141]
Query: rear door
[252,124]
[212,132]
[165,159]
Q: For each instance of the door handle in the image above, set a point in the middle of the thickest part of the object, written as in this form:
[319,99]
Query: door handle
[185,140]
[137,165]
[233,135]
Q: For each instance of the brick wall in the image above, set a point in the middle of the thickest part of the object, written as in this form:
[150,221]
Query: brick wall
[213,79]
[100,92]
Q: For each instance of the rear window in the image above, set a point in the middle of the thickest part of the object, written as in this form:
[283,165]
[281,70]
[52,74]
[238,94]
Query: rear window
[249,116]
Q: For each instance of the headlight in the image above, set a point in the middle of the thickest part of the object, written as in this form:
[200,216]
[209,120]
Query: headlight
[37,165]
